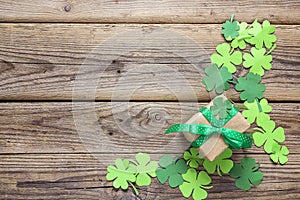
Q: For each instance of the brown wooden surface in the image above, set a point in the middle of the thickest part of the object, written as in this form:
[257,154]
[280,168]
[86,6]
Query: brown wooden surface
[43,44]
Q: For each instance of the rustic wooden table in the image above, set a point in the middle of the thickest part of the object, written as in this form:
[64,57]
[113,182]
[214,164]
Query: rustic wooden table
[44,43]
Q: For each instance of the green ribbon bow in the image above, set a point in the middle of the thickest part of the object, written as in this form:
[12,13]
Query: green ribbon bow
[232,138]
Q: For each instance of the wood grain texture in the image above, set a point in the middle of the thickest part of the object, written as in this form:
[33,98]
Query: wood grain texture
[42,62]
[134,127]
[142,11]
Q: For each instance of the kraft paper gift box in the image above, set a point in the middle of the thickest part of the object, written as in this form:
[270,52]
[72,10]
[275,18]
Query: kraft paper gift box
[215,145]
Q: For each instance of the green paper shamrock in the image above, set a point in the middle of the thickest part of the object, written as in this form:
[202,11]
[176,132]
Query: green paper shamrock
[220,107]
[195,185]
[222,162]
[123,173]
[230,30]
[217,79]
[171,170]
[246,173]
[145,169]
[240,41]
[250,87]
[226,57]
[258,62]
[268,135]
[255,28]
[279,154]
[192,158]
[256,110]
[263,37]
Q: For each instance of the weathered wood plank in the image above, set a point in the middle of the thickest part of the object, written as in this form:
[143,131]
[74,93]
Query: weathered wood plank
[81,176]
[142,11]
[41,62]
[58,128]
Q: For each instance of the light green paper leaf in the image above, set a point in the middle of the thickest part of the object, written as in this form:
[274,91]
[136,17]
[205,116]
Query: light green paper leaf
[268,135]
[221,163]
[171,170]
[226,58]
[220,107]
[279,154]
[195,185]
[192,158]
[246,173]
[250,87]
[264,37]
[240,40]
[217,79]
[121,173]
[145,169]
[253,112]
[255,28]
[258,61]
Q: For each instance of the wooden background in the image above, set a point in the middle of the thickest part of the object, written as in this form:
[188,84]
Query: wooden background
[43,44]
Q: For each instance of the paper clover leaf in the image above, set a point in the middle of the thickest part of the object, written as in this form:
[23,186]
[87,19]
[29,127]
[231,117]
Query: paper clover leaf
[123,173]
[217,79]
[255,28]
[222,162]
[171,170]
[263,37]
[279,154]
[240,41]
[230,29]
[145,169]
[250,87]
[246,173]
[195,185]
[220,107]
[192,158]
[268,135]
[258,61]
[226,57]
[256,110]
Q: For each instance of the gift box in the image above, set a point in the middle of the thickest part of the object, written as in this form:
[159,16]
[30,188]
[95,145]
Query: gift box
[215,145]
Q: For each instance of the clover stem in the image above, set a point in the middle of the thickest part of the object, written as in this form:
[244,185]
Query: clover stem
[218,170]
[206,187]
[133,161]
[134,188]
[256,167]
[272,49]
[232,81]
[231,18]
[240,107]
[258,129]
[258,105]
[231,51]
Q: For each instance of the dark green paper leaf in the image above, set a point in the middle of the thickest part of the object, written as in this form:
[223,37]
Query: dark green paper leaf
[220,107]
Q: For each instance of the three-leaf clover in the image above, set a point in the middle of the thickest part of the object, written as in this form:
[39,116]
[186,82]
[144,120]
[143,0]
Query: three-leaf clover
[123,173]
[268,135]
[255,28]
[222,162]
[230,29]
[226,57]
[192,158]
[171,170]
[258,61]
[145,169]
[217,79]
[263,37]
[279,154]
[256,110]
[195,185]
[250,87]
[246,173]
[240,41]
[220,107]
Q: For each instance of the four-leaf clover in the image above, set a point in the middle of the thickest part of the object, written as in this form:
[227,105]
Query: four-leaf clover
[246,173]
[226,57]
[192,158]
[222,162]
[256,110]
[217,79]
[250,87]
[263,37]
[145,169]
[195,185]
[258,61]
[268,135]
[171,170]
[230,29]
[220,107]
[279,154]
